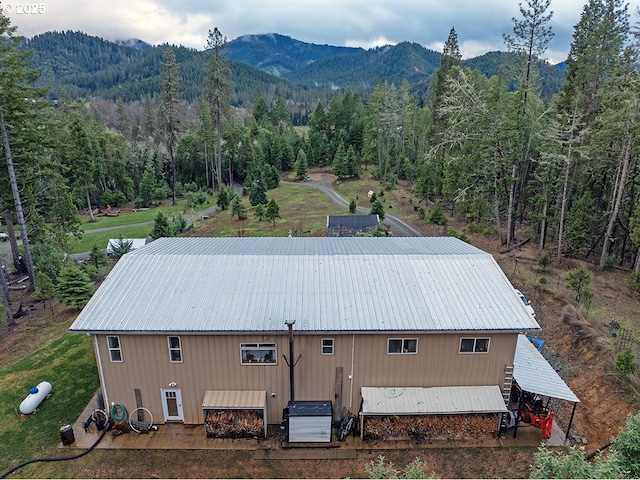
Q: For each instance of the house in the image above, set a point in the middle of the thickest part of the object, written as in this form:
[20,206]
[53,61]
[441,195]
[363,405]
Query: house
[350,225]
[186,326]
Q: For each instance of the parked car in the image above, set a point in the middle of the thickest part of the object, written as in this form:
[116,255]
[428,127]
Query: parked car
[3,237]
[527,304]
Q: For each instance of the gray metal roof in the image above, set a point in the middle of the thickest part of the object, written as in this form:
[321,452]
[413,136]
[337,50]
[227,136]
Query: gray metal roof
[431,400]
[534,374]
[225,285]
[349,221]
[245,399]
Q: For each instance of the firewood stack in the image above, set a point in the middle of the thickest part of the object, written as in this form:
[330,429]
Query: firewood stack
[234,423]
[449,427]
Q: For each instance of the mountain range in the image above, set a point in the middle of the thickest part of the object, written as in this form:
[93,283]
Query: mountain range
[82,66]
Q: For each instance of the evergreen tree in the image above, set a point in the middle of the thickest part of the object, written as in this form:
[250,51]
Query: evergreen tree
[74,286]
[170,112]
[161,227]
[225,196]
[238,209]
[301,165]
[97,257]
[273,211]
[258,189]
[353,206]
[120,247]
[218,89]
[377,208]
[340,162]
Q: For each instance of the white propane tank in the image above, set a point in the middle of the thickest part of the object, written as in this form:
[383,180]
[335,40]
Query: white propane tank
[36,395]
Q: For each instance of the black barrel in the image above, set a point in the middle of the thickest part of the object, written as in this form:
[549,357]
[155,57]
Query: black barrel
[66,434]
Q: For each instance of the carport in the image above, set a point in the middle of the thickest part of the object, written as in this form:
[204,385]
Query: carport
[534,374]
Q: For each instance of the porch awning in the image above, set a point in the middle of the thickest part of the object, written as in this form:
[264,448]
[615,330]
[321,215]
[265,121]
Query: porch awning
[534,374]
[432,400]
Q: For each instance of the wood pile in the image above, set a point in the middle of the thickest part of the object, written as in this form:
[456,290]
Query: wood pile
[120,427]
[234,423]
[450,427]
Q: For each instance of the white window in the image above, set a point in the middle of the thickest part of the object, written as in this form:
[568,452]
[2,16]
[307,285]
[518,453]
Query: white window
[175,349]
[115,351]
[327,346]
[258,353]
[399,346]
[474,345]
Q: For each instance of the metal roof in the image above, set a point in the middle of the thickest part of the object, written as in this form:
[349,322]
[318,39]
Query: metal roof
[245,399]
[225,285]
[534,374]
[432,400]
[349,221]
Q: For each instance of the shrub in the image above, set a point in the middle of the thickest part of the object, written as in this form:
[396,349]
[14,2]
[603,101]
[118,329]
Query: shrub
[421,213]
[543,280]
[437,216]
[544,262]
[626,362]
[634,282]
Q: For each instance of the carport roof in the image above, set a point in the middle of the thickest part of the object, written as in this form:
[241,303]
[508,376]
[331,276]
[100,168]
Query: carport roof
[534,374]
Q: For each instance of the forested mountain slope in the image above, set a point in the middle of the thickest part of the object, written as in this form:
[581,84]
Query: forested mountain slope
[82,66]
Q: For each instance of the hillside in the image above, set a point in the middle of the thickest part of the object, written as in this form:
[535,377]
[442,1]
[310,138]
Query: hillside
[82,66]
[278,54]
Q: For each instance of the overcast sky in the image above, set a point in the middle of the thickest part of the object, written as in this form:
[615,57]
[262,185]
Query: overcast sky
[479,24]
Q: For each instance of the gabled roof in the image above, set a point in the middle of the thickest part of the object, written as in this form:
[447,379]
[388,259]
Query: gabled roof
[227,285]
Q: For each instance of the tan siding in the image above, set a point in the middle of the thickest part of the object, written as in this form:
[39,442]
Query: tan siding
[213,363]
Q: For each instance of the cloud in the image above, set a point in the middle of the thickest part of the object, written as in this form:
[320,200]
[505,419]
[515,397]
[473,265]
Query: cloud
[480,24]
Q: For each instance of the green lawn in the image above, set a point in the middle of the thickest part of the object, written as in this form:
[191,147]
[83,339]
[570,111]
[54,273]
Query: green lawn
[68,364]
[86,242]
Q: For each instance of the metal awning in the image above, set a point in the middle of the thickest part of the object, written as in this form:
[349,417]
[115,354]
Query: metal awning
[534,374]
[432,400]
[236,399]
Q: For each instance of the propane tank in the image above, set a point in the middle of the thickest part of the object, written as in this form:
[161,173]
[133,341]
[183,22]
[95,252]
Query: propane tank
[36,395]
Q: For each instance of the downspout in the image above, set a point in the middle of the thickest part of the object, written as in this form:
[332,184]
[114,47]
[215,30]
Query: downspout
[289,324]
[101,371]
[353,351]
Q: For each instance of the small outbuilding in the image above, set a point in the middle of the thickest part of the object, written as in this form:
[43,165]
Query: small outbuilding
[350,225]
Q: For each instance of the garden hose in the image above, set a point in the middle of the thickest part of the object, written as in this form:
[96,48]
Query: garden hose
[118,412]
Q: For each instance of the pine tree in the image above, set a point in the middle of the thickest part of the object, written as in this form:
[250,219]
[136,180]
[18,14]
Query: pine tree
[170,104]
[301,165]
[273,211]
[238,209]
[74,286]
[161,227]
[218,89]
[377,208]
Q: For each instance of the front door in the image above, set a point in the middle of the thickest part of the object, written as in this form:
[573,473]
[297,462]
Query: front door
[172,404]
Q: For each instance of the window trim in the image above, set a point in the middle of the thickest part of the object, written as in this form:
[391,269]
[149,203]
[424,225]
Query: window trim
[269,346]
[112,350]
[474,350]
[403,340]
[323,346]
[174,349]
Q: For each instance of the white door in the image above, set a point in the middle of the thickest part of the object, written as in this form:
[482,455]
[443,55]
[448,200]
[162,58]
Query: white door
[172,404]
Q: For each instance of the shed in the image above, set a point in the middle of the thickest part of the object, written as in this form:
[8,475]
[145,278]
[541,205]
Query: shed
[310,421]
[350,225]
[216,402]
